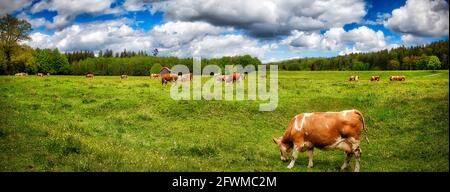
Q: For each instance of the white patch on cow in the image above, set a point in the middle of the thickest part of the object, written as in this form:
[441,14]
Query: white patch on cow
[295,123]
[305,115]
[347,111]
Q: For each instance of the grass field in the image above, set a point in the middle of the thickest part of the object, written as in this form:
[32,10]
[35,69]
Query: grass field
[68,123]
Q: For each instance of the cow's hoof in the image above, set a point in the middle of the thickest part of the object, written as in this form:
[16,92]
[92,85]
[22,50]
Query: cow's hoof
[310,166]
[290,166]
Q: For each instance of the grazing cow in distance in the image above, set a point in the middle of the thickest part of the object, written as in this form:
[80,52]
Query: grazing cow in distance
[234,77]
[220,77]
[40,74]
[397,78]
[21,74]
[375,78]
[323,130]
[168,77]
[48,74]
[354,78]
[186,77]
[89,76]
[124,76]
[154,75]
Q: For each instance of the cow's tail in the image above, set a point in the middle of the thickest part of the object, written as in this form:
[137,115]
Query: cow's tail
[364,125]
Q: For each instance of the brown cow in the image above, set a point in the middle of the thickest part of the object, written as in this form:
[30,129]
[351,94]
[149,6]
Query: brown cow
[168,77]
[89,76]
[154,75]
[234,77]
[397,78]
[124,76]
[221,77]
[375,78]
[354,78]
[323,130]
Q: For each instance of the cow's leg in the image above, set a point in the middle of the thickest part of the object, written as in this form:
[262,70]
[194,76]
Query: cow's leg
[348,157]
[295,152]
[310,153]
[357,151]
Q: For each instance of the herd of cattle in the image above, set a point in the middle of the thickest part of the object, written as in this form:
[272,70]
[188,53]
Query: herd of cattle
[306,131]
[377,78]
[37,74]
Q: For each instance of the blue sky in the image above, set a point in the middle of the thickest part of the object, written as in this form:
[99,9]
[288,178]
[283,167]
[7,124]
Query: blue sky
[268,29]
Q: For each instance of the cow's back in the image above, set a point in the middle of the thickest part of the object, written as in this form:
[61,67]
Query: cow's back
[323,129]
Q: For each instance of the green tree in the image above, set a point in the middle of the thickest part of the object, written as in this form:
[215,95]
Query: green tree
[12,31]
[42,58]
[433,63]
[156,68]
[393,64]
[359,66]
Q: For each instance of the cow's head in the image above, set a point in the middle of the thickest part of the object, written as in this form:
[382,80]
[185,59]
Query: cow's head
[285,149]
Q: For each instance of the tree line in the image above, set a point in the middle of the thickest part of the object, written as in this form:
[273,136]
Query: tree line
[425,57]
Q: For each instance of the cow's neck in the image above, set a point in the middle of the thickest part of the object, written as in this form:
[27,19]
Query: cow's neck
[286,139]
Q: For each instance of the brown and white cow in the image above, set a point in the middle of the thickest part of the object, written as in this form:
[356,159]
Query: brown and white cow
[21,74]
[154,75]
[168,77]
[375,78]
[89,76]
[124,77]
[40,74]
[353,78]
[186,77]
[323,130]
[397,78]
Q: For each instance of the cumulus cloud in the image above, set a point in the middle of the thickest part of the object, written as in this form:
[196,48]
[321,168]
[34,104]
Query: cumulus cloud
[68,10]
[36,22]
[362,39]
[421,18]
[227,45]
[409,39]
[182,39]
[265,18]
[381,19]
[138,5]
[115,35]
[9,6]
[174,34]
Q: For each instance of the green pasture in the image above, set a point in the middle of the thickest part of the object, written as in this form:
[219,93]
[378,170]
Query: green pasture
[69,123]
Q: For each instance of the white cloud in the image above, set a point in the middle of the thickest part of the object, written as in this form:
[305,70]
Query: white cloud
[409,39]
[421,18]
[227,45]
[116,35]
[182,39]
[362,39]
[36,22]
[9,6]
[68,10]
[136,5]
[175,34]
[381,19]
[266,18]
